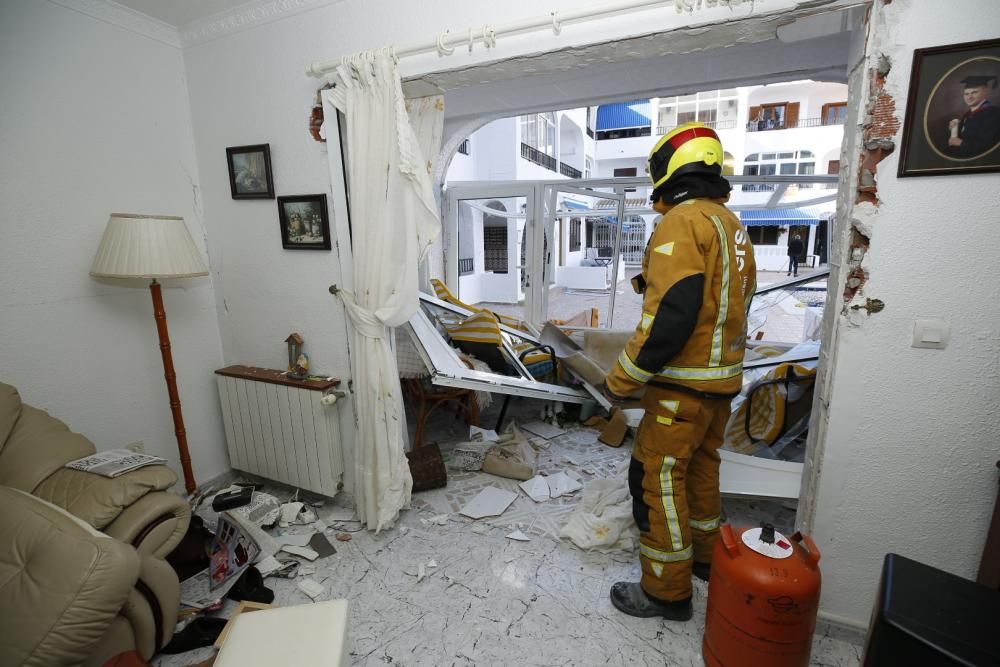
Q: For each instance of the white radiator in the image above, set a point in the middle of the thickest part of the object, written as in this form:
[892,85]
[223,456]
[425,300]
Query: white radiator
[281,432]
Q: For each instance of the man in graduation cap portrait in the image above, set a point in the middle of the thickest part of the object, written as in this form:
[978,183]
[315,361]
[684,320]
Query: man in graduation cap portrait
[977,132]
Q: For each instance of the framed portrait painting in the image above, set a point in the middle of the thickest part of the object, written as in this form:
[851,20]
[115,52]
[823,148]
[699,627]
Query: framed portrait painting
[952,123]
[250,172]
[305,222]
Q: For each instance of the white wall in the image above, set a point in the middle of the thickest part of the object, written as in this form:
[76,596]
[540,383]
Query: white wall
[95,119]
[908,462]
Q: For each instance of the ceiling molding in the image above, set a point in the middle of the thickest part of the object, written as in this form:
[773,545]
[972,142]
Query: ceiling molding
[125,18]
[246,17]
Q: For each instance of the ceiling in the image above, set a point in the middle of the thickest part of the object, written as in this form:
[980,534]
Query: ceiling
[180,13]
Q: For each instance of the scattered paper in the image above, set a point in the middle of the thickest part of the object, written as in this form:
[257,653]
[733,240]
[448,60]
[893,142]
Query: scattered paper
[476,433]
[537,488]
[306,570]
[311,588]
[307,516]
[432,563]
[344,537]
[561,484]
[296,539]
[421,572]
[491,501]
[542,430]
[319,525]
[196,592]
[289,511]
[519,536]
[304,552]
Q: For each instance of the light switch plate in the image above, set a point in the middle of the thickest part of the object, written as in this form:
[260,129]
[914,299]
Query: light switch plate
[932,334]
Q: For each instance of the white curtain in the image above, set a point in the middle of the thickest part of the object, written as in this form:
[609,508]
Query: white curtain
[394,220]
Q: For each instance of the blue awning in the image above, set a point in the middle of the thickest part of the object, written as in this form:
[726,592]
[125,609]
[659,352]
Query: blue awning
[623,115]
[777,216]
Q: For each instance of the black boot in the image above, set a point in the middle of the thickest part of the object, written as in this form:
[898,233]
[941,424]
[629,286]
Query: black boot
[629,598]
[701,570]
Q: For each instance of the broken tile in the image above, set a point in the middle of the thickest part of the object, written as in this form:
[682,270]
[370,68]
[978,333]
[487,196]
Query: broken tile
[290,511]
[295,539]
[519,536]
[421,572]
[476,434]
[561,484]
[537,488]
[491,501]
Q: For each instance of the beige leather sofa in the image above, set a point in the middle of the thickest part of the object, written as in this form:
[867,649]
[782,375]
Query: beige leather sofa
[101,542]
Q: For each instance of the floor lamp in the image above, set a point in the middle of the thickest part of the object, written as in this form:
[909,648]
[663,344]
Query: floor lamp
[154,246]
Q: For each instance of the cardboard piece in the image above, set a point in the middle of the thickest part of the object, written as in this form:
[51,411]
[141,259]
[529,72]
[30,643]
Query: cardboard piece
[537,488]
[321,545]
[613,434]
[491,501]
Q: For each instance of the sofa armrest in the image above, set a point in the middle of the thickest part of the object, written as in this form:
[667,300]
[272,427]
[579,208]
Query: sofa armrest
[98,500]
[152,606]
[154,524]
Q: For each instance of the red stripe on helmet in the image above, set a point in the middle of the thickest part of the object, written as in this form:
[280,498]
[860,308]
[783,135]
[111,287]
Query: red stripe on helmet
[692,133]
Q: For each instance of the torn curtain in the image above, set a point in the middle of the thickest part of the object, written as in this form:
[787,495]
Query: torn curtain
[394,220]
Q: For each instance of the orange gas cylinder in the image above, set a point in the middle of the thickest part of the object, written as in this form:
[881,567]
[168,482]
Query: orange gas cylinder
[763,595]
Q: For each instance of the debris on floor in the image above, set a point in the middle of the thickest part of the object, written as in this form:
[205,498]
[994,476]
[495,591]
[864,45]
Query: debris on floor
[344,537]
[602,520]
[537,488]
[311,588]
[561,484]
[519,536]
[542,430]
[491,501]
[304,552]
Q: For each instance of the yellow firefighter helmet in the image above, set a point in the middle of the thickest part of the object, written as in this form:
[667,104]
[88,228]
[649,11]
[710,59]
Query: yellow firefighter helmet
[691,148]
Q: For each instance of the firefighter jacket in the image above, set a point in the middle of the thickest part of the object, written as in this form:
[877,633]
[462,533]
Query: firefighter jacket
[699,276]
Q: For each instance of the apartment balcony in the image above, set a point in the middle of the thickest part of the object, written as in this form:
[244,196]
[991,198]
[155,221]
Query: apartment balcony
[571,172]
[532,154]
[767,125]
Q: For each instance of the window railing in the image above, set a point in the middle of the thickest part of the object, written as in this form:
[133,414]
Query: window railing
[567,170]
[714,124]
[765,125]
[465,266]
[532,154]
[463,148]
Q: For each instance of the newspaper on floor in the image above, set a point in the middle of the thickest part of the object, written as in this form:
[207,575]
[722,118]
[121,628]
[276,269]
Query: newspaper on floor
[232,551]
[114,462]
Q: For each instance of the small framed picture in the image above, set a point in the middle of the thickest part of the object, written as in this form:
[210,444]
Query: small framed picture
[250,172]
[952,123]
[305,223]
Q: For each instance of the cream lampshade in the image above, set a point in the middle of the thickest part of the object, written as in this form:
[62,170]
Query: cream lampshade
[154,246]
[147,246]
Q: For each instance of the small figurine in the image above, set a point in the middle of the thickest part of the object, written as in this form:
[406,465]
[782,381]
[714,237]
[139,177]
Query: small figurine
[301,369]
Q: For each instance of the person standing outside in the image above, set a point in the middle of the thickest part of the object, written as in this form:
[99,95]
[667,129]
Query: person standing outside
[978,131]
[795,248]
[687,352]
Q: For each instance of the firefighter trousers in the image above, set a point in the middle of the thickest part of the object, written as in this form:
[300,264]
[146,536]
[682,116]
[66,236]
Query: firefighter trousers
[674,482]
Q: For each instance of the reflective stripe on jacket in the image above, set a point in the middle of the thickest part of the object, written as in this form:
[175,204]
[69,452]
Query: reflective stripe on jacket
[700,276]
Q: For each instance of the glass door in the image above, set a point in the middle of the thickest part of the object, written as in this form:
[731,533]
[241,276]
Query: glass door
[485,235]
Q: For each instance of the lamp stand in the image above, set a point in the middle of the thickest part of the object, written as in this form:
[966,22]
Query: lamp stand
[168,372]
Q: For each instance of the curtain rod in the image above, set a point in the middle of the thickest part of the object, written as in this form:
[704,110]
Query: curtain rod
[446,42]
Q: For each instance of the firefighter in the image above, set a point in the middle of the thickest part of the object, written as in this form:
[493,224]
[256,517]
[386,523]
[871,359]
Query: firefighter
[697,281]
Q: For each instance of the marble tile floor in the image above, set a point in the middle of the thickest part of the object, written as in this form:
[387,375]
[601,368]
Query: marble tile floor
[494,601]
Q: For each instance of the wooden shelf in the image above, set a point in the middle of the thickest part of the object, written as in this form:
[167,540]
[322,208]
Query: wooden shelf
[275,377]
